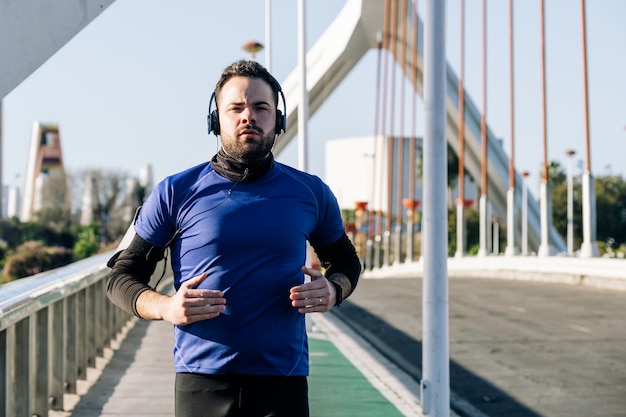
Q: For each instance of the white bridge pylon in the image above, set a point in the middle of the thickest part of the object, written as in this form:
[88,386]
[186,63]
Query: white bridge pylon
[345,42]
[23,49]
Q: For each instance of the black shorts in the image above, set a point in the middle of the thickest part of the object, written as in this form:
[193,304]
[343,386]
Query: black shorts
[232,395]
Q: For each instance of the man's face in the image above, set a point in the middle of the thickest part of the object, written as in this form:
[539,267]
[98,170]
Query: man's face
[247,116]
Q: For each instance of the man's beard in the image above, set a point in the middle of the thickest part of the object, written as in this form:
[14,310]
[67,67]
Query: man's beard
[249,152]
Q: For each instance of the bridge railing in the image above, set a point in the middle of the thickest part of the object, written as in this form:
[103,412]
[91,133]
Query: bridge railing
[53,325]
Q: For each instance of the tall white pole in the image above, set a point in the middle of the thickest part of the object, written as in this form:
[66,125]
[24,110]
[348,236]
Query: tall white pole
[268,35]
[545,217]
[483,203]
[511,229]
[495,247]
[461,220]
[570,202]
[589,248]
[435,385]
[303,117]
[303,108]
[525,213]
[545,193]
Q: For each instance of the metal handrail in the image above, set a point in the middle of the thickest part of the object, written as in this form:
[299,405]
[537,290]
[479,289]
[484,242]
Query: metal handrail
[53,325]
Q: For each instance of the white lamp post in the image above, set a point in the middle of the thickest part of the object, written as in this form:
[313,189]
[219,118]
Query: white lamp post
[570,203]
[525,175]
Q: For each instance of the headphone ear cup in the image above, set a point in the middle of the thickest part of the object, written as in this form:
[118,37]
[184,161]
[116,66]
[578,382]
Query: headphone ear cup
[280,123]
[214,123]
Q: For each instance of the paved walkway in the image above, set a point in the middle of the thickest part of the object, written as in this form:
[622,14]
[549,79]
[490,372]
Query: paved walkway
[136,376]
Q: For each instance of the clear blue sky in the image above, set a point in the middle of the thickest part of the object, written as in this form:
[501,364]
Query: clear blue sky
[133,87]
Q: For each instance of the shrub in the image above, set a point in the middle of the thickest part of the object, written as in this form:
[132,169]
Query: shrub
[32,258]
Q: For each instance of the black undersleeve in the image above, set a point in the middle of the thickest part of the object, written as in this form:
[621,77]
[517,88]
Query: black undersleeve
[341,258]
[130,274]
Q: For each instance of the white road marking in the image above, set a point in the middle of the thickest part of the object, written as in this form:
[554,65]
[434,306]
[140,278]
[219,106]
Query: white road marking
[580,328]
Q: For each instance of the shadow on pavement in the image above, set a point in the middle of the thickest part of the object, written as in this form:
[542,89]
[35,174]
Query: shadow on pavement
[406,352]
[93,401]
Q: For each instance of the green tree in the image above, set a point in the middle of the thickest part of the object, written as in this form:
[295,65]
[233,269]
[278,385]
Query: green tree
[611,209]
[472,221]
[556,174]
[348,215]
[55,237]
[16,233]
[87,242]
[453,173]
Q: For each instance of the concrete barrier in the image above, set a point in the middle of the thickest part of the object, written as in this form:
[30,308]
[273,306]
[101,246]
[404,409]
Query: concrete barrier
[601,273]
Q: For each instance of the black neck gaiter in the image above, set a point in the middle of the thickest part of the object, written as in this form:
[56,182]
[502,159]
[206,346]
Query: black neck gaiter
[235,171]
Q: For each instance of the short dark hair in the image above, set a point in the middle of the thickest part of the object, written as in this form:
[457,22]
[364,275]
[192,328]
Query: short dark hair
[251,69]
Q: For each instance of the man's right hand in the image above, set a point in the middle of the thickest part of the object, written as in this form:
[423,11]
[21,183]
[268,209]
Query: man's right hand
[187,306]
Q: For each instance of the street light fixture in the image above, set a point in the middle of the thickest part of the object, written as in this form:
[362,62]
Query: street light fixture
[252,47]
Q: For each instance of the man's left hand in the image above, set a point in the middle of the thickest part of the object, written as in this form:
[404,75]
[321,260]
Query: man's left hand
[318,295]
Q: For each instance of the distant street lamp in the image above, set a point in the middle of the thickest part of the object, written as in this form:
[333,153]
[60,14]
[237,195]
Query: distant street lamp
[570,203]
[252,47]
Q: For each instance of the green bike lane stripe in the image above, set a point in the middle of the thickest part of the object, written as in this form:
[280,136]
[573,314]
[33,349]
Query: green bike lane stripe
[338,389]
[349,378]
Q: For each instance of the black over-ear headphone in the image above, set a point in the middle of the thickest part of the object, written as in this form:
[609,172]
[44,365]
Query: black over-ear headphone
[213,119]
